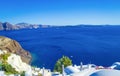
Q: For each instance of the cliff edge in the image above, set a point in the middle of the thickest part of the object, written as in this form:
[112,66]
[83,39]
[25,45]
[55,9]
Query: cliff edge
[12,46]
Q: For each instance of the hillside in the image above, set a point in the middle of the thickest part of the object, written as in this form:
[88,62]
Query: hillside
[12,46]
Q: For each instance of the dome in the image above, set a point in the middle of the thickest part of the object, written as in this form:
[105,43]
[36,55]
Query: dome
[71,69]
[106,73]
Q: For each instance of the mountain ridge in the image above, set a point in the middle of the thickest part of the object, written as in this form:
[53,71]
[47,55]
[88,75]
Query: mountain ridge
[8,26]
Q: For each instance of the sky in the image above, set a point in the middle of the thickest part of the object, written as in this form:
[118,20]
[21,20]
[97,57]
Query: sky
[61,12]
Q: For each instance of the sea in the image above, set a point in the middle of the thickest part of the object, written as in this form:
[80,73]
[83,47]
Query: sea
[98,45]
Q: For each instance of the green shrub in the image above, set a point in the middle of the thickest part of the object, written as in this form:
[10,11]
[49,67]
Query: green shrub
[8,69]
[66,61]
[5,66]
[4,57]
[23,73]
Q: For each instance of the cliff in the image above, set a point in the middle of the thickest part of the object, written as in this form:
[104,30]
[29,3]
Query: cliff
[16,62]
[1,26]
[12,46]
[8,26]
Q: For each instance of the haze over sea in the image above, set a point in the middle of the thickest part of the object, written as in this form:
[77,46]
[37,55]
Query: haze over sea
[99,45]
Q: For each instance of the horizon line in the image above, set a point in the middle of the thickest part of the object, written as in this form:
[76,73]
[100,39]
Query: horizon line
[62,24]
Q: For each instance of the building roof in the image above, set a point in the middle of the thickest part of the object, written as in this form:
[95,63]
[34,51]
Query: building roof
[106,72]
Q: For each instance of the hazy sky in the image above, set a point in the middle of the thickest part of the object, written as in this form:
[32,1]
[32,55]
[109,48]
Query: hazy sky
[60,12]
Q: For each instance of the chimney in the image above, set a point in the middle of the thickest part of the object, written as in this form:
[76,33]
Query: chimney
[63,70]
[81,66]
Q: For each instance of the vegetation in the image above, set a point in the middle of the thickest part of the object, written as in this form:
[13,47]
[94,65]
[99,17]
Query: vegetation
[4,57]
[8,69]
[66,61]
[23,73]
[5,66]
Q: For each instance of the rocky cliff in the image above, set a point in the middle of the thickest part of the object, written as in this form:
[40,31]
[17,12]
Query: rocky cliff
[1,26]
[12,46]
[8,26]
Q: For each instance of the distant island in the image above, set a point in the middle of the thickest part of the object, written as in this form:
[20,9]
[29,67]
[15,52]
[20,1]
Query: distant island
[9,26]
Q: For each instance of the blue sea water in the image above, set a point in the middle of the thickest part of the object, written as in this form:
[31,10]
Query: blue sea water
[90,44]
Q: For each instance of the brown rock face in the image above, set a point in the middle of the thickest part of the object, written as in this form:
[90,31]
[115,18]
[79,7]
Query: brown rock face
[13,46]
